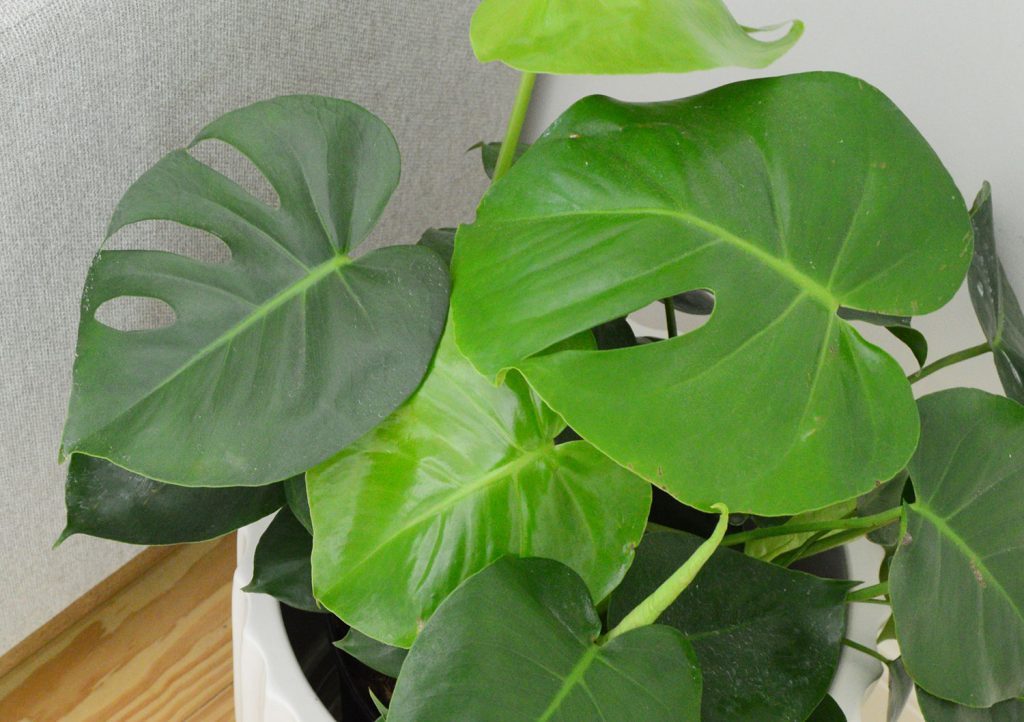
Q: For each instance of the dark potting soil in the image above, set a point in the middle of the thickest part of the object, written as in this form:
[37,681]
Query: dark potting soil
[341,681]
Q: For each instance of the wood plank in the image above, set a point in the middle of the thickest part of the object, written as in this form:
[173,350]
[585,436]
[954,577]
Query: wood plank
[160,649]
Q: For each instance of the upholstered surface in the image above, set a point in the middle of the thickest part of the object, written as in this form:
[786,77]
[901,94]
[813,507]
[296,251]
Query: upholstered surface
[94,91]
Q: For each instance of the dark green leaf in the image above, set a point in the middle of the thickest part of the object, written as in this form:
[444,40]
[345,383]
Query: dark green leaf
[876,319]
[900,688]
[912,339]
[281,563]
[697,303]
[379,656]
[940,710]
[956,584]
[994,301]
[767,638]
[489,153]
[463,474]
[517,642]
[106,501]
[284,354]
[619,205]
[827,711]
[616,333]
[885,496]
[295,496]
[577,37]
[441,241]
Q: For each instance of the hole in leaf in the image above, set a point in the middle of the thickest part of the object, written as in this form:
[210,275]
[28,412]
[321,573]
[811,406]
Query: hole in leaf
[135,313]
[692,310]
[229,162]
[172,237]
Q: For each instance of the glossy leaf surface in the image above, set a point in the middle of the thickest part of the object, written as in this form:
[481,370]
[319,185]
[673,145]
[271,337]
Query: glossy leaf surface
[619,205]
[576,37]
[461,475]
[281,564]
[767,638]
[956,582]
[107,501]
[379,656]
[516,642]
[940,710]
[284,354]
[994,301]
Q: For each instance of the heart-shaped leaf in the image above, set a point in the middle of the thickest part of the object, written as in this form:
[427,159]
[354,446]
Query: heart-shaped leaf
[956,582]
[379,656]
[767,638]
[940,710]
[577,37]
[994,301]
[107,501]
[519,641]
[786,197]
[462,474]
[292,341]
[281,565]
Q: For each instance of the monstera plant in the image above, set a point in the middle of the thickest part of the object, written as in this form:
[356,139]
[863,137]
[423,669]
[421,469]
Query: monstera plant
[461,438]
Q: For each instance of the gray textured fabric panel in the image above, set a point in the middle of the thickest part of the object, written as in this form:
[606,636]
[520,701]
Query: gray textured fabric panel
[93,92]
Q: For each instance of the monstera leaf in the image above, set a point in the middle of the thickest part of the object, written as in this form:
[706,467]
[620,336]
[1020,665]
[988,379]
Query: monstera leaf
[956,584]
[787,197]
[994,301]
[286,353]
[620,36]
[519,642]
[767,638]
[463,474]
[106,501]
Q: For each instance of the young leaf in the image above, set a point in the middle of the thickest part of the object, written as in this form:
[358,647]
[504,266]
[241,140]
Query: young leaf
[290,350]
[463,474]
[767,638]
[379,656]
[518,642]
[912,339]
[106,501]
[994,301]
[619,205]
[281,563]
[940,710]
[955,582]
[576,37]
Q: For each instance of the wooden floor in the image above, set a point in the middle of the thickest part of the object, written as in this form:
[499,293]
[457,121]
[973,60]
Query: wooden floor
[157,649]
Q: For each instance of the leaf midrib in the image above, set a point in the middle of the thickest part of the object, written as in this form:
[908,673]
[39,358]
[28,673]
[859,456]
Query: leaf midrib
[946,531]
[784,268]
[570,681]
[315,275]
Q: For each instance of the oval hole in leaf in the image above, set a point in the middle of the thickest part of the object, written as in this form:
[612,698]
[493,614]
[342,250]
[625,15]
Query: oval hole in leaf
[230,163]
[173,238]
[135,313]
[693,309]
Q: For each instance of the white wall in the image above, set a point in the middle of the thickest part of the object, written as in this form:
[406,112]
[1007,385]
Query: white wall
[955,68]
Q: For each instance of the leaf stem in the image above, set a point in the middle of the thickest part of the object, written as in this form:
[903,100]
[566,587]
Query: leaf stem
[867,523]
[866,650]
[507,154]
[648,611]
[868,593]
[670,318]
[953,358]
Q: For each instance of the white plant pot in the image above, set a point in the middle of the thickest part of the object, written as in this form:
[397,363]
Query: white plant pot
[270,686]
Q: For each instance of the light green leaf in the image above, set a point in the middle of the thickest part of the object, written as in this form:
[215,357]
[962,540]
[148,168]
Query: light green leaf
[771,548]
[994,301]
[461,475]
[956,584]
[379,656]
[803,192]
[290,350]
[767,638]
[576,37]
[940,710]
[107,501]
[281,563]
[518,642]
